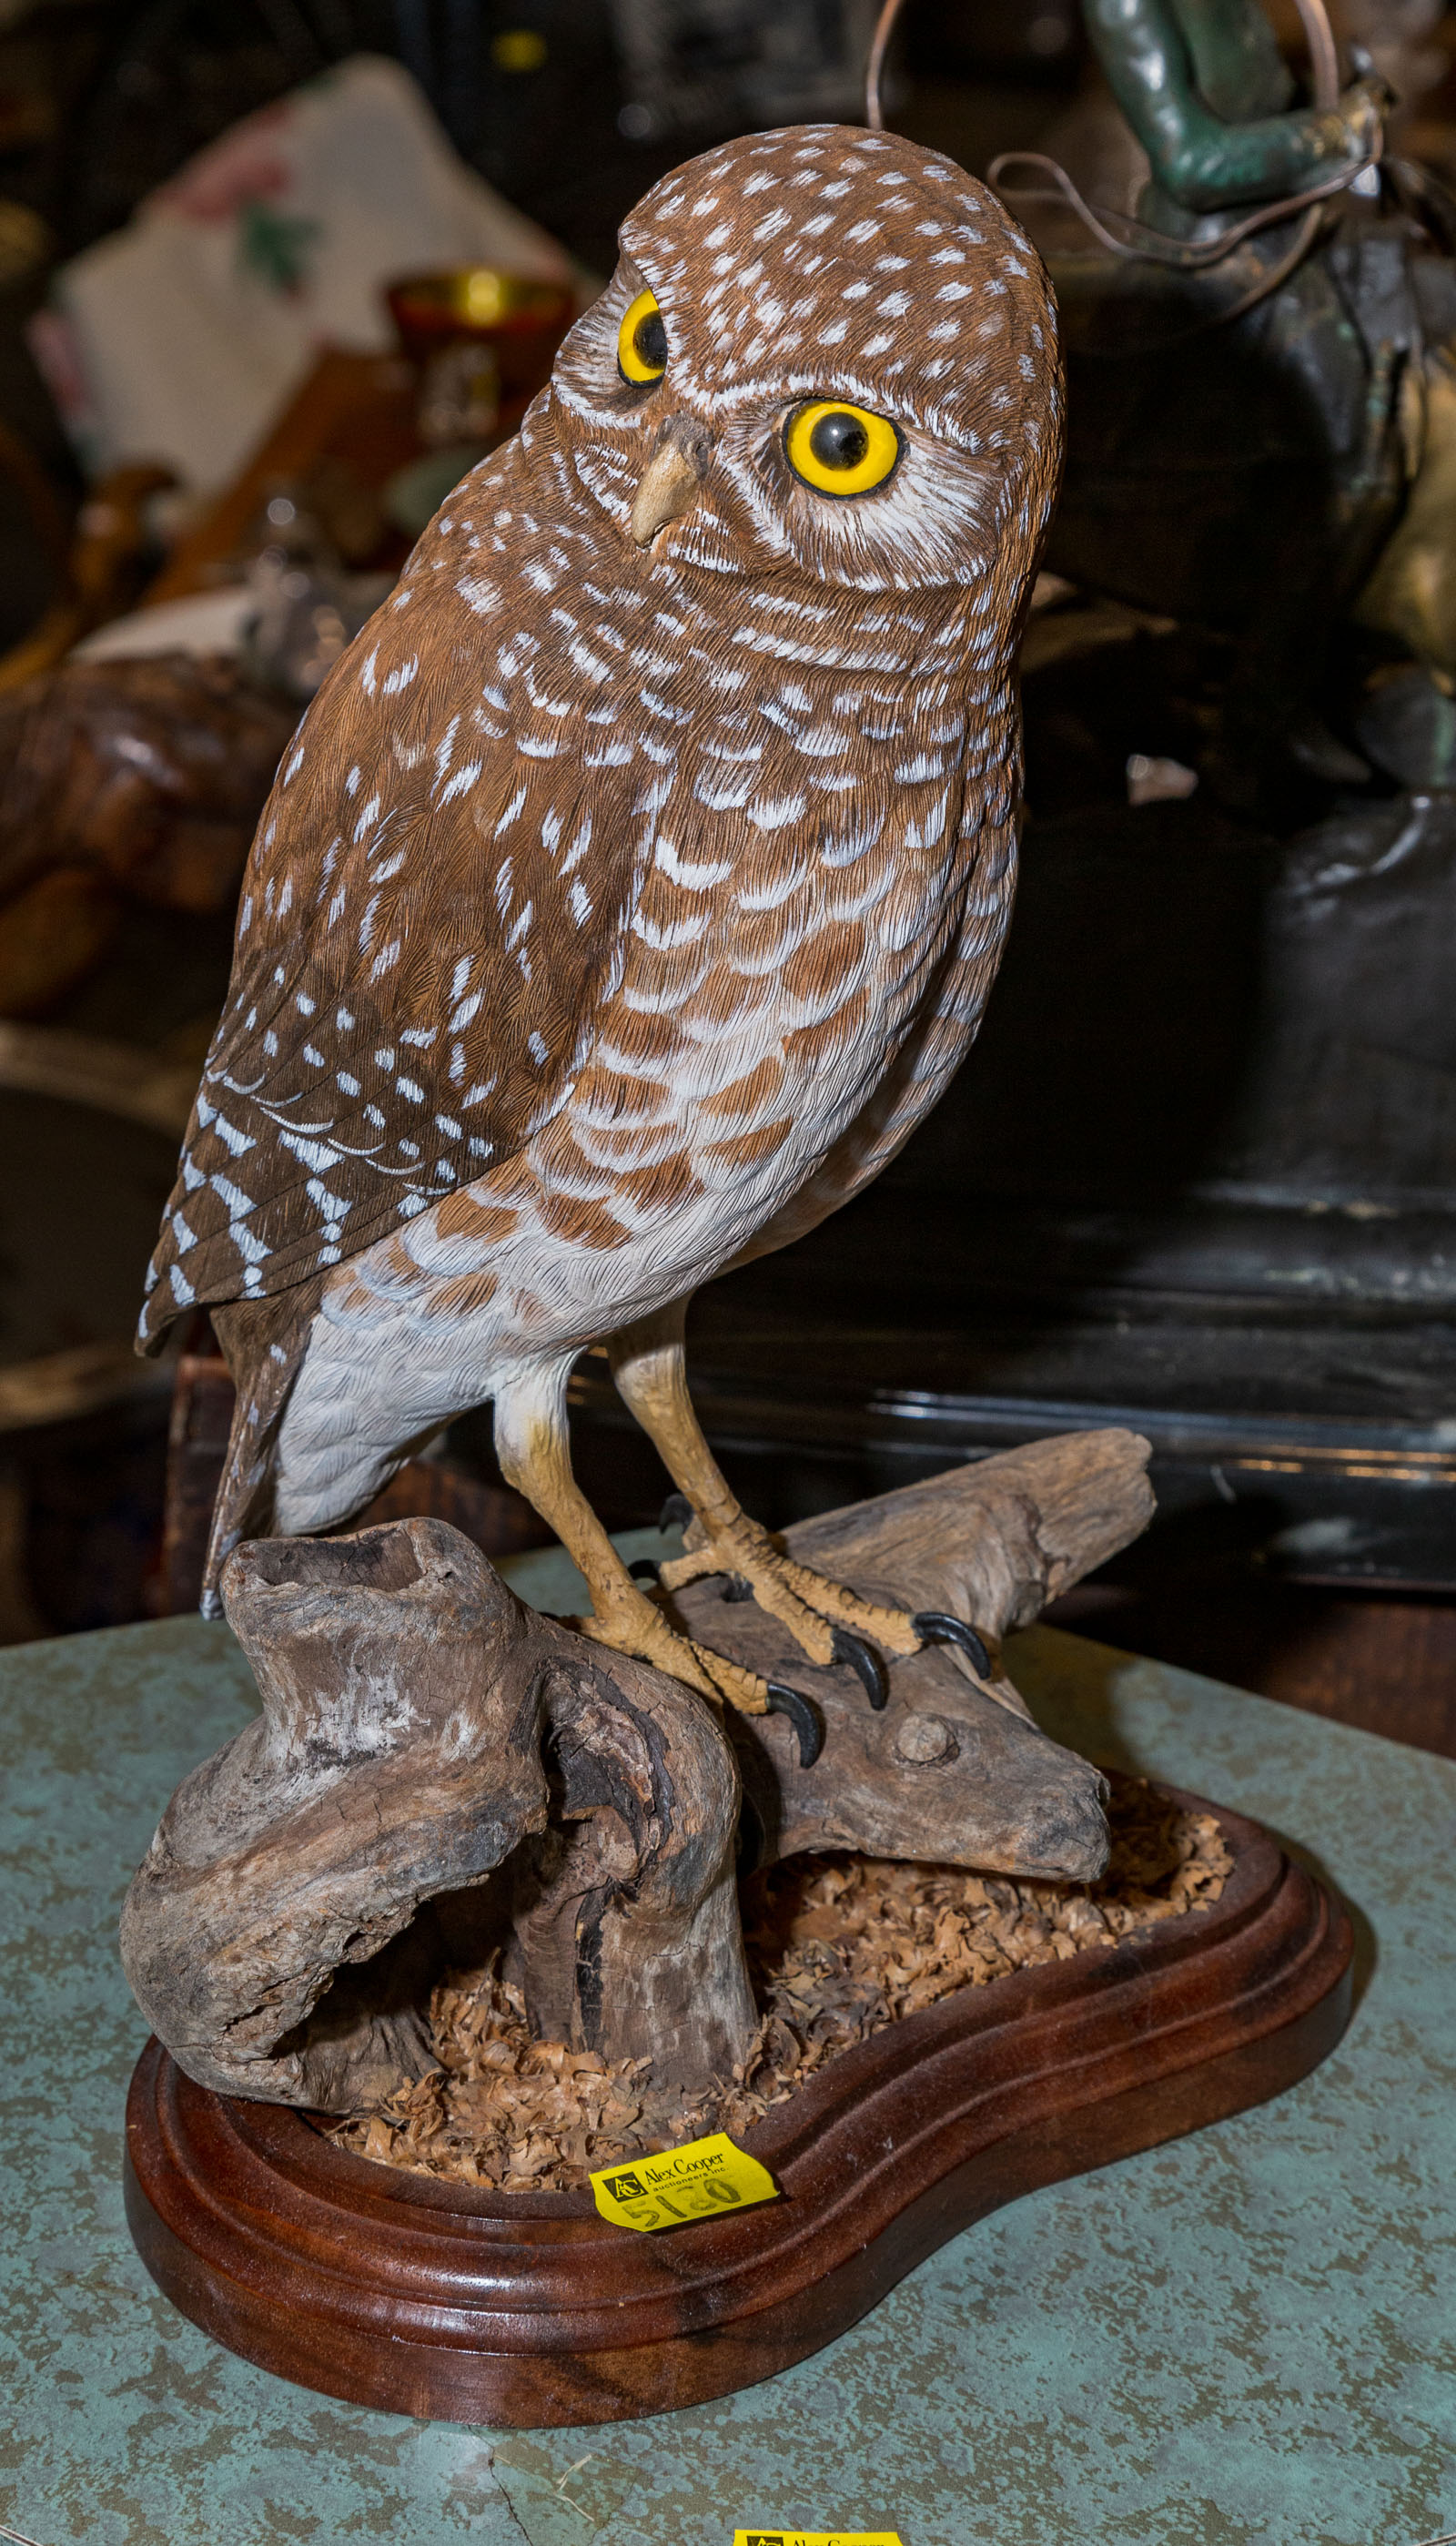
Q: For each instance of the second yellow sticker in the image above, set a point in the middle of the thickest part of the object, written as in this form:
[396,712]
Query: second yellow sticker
[815,2537]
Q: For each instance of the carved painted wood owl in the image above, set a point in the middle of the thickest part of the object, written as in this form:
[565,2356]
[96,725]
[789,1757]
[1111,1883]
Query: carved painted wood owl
[637,880]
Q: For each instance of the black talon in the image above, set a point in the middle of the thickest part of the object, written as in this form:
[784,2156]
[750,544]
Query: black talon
[802,1715]
[737,1588]
[643,1569]
[862,1659]
[675,1512]
[938,1627]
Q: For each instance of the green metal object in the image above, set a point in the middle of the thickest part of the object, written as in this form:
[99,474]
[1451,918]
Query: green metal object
[1240,2340]
[1204,88]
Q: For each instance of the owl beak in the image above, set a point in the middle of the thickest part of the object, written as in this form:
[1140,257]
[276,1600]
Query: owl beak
[667,486]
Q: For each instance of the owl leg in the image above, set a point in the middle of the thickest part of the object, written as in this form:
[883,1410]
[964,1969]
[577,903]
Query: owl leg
[831,1623]
[533,1448]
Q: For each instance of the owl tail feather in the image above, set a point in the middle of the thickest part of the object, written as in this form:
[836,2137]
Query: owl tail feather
[262,1342]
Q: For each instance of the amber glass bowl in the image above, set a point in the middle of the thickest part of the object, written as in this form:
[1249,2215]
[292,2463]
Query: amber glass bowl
[524,319]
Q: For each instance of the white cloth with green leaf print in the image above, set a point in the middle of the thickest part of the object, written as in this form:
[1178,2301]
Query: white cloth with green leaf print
[179,338]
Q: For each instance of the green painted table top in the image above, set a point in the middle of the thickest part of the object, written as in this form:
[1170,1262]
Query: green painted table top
[1243,2340]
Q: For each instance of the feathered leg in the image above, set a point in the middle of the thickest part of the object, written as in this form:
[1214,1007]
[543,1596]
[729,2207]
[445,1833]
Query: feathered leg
[532,1445]
[831,1623]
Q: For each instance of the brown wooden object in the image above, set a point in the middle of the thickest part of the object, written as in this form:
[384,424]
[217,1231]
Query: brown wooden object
[271,1933]
[137,780]
[954,1768]
[355,412]
[421,2297]
[410,1703]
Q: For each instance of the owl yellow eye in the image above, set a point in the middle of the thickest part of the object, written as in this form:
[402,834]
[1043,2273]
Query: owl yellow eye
[642,341]
[839,449]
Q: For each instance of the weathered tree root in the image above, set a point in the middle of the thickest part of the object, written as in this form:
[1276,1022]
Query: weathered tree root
[423,1732]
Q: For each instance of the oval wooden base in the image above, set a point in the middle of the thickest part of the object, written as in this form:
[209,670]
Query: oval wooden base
[423,2297]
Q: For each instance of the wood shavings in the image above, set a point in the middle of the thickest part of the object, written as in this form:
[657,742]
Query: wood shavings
[838,1947]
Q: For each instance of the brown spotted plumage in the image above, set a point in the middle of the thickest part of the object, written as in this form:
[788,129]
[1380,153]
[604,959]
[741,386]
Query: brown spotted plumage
[637,880]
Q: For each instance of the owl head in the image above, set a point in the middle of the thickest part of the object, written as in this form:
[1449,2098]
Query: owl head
[826,353]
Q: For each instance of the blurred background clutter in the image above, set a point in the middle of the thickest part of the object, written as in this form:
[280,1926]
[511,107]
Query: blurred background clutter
[273,274]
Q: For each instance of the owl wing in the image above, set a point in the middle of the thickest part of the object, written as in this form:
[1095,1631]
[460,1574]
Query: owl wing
[436,904]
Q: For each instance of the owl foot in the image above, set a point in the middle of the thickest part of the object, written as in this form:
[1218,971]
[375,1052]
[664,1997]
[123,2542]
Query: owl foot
[637,1627]
[833,1624]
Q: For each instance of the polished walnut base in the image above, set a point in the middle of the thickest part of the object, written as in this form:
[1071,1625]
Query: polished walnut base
[430,2298]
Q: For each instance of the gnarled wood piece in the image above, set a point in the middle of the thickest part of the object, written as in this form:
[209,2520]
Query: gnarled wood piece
[954,1768]
[271,1936]
[997,1540]
[421,1727]
[627,1931]
[397,1756]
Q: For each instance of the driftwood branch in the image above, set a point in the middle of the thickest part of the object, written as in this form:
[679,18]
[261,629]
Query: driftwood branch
[953,1769]
[398,1757]
[412,1708]
[436,1771]
[626,1937]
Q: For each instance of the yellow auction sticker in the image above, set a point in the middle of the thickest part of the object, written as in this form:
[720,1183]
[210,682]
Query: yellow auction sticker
[815,2537]
[705,2179]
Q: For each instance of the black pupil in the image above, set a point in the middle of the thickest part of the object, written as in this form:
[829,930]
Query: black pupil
[839,442]
[649,341]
